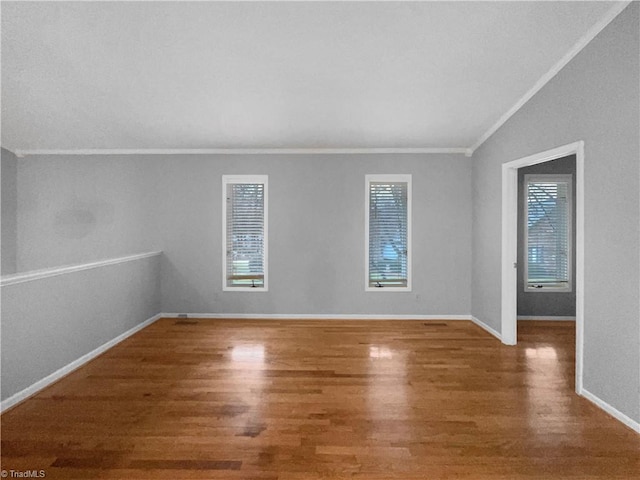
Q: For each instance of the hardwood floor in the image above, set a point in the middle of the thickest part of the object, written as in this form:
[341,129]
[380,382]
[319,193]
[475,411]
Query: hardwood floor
[232,399]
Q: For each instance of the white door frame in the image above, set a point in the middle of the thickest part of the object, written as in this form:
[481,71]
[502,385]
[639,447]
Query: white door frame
[510,244]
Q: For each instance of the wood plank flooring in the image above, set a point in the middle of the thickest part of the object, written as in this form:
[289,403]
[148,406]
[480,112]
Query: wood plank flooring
[289,400]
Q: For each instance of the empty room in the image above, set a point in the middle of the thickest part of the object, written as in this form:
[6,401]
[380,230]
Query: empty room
[284,240]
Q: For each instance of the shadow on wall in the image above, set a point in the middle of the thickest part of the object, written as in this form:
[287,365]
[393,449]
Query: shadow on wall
[9,214]
[81,218]
[183,297]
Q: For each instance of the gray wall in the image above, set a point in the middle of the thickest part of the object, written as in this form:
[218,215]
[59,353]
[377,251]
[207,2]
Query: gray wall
[316,234]
[8,242]
[71,210]
[77,209]
[594,98]
[74,314]
[546,303]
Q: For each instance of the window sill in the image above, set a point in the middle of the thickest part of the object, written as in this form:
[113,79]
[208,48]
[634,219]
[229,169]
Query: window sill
[245,289]
[388,289]
[548,289]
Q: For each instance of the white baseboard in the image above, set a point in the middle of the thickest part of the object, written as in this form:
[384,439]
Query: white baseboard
[546,317]
[486,327]
[303,316]
[617,414]
[58,374]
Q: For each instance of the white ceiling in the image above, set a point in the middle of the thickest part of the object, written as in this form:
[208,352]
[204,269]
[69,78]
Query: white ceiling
[284,75]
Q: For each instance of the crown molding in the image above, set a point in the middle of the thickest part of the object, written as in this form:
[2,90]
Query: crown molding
[613,12]
[235,151]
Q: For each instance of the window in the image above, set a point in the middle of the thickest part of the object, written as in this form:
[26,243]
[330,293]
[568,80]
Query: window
[388,233]
[244,232]
[547,233]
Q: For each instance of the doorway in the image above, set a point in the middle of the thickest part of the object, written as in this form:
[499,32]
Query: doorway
[510,244]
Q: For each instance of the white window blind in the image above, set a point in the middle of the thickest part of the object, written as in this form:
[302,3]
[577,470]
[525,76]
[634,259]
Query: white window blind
[388,231]
[244,233]
[548,232]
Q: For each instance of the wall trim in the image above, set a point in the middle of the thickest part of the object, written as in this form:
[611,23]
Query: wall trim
[312,316]
[33,275]
[67,369]
[20,153]
[608,17]
[486,327]
[614,412]
[546,317]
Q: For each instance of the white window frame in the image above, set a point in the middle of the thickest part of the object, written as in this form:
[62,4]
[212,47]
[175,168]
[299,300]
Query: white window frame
[551,177]
[235,179]
[397,178]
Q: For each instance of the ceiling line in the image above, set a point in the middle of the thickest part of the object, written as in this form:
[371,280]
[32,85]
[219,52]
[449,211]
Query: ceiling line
[577,48]
[235,151]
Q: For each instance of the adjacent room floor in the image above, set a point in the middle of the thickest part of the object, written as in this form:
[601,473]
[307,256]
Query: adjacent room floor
[233,399]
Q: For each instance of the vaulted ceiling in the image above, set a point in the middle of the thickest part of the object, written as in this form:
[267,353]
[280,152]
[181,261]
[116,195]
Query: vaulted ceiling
[278,75]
